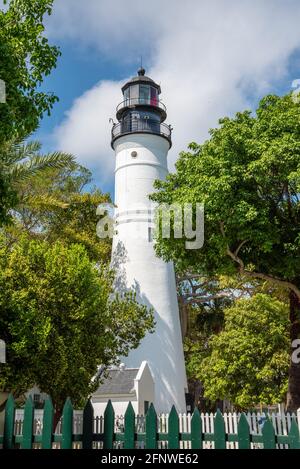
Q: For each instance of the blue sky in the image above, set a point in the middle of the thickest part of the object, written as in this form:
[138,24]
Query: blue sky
[77,71]
[212,58]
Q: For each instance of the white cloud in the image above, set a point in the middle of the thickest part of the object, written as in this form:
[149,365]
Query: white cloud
[206,54]
[85,129]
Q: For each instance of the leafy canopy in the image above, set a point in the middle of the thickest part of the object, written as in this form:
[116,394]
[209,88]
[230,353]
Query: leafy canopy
[22,163]
[248,177]
[247,362]
[59,204]
[26,58]
[60,320]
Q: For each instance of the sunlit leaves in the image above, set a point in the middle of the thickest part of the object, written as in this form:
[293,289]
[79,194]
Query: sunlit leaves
[248,361]
[59,319]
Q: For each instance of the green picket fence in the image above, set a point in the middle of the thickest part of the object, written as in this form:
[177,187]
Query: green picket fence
[129,438]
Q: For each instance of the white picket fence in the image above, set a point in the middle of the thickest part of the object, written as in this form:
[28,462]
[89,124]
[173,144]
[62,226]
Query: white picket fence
[281,423]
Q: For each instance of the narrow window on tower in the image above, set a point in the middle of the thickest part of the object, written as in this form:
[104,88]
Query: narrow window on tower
[150,237]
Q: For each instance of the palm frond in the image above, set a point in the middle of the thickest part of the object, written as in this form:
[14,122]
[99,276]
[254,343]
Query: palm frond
[44,200]
[13,152]
[39,163]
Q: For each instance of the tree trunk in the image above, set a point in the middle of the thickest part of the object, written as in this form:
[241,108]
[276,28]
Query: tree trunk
[293,394]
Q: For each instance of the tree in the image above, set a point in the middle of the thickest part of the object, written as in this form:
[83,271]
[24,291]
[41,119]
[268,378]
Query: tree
[203,300]
[20,163]
[59,204]
[205,297]
[60,320]
[248,177]
[248,361]
[201,304]
[25,59]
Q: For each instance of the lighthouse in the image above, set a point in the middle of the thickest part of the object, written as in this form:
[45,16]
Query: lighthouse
[141,140]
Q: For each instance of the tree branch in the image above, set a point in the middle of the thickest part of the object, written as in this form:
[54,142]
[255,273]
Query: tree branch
[240,246]
[188,277]
[195,298]
[260,275]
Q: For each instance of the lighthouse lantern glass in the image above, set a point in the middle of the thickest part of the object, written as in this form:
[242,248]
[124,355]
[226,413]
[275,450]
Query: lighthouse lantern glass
[154,96]
[127,96]
[141,94]
[144,94]
[134,94]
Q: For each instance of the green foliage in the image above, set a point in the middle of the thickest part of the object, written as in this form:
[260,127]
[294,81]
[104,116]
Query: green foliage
[24,161]
[58,315]
[8,197]
[54,205]
[206,319]
[21,163]
[247,362]
[25,59]
[248,177]
[60,320]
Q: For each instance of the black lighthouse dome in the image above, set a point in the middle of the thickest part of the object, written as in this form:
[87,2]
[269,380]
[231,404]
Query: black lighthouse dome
[141,110]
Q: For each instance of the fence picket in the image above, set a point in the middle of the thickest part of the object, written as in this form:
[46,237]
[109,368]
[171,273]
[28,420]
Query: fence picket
[47,424]
[243,432]
[9,423]
[268,434]
[206,418]
[67,425]
[151,428]
[298,419]
[173,433]
[211,422]
[109,421]
[284,422]
[235,422]
[28,424]
[196,430]
[129,427]
[294,440]
[219,431]
[87,425]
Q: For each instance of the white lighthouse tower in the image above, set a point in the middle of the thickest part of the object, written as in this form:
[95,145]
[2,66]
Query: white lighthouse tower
[141,141]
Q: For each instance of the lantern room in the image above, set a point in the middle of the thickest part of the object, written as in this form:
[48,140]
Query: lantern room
[141,110]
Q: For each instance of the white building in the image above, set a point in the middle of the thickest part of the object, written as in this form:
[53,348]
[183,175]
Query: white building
[141,141]
[123,385]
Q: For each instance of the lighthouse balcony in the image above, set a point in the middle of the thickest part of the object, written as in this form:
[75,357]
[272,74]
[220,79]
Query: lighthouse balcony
[141,125]
[144,102]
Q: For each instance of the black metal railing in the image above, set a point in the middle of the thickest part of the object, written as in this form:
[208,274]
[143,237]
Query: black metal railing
[131,102]
[141,125]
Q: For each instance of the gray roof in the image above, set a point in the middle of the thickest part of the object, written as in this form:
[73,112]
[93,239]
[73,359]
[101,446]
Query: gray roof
[118,382]
[141,79]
